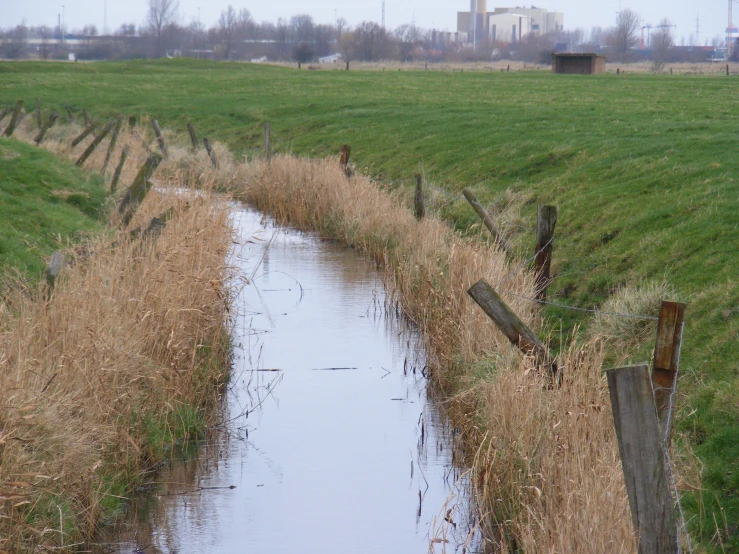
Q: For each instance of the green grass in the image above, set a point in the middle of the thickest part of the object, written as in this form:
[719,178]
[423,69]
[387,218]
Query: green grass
[642,168]
[44,203]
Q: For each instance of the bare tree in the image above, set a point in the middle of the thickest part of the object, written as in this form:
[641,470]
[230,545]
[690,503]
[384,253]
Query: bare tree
[663,43]
[372,41]
[162,13]
[227,28]
[624,35]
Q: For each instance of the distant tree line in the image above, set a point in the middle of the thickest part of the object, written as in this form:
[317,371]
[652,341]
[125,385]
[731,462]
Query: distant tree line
[237,36]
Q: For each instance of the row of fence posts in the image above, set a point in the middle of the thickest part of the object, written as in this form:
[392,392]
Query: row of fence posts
[642,404]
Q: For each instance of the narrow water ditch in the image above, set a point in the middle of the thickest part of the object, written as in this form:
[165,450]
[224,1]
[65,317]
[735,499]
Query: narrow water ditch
[331,440]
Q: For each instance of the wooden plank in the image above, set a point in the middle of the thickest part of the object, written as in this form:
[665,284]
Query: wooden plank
[117,173]
[643,460]
[14,119]
[42,132]
[193,137]
[546,221]
[418,199]
[95,143]
[211,152]
[84,134]
[267,142]
[488,221]
[113,141]
[139,188]
[510,325]
[160,138]
[666,361]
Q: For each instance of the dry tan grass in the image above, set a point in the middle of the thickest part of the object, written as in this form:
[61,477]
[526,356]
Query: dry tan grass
[133,338]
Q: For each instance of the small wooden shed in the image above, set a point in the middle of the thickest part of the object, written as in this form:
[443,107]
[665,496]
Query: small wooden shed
[578,64]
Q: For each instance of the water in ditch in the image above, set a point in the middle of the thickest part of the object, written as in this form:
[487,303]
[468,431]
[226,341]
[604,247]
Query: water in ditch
[330,441]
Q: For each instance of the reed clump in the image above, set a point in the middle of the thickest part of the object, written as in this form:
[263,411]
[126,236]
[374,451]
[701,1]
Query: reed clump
[125,359]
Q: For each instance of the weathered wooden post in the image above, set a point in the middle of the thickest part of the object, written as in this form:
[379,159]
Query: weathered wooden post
[49,123]
[488,221]
[727,69]
[193,137]
[510,325]
[160,138]
[113,141]
[267,140]
[56,265]
[418,198]
[117,173]
[643,459]
[211,152]
[347,65]
[86,117]
[344,156]
[38,114]
[546,221]
[69,112]
[666,363]
[95,143]
[15,118]
[139,188]
[83,135]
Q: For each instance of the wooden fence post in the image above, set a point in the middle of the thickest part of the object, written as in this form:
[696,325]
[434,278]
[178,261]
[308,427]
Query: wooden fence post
[643,459]
[488,221]
[14,119]
[666,362]
[546,221]
[344,156]
[117,174]
[139,188]
[95,143]
[418,199]
[160,138]
[267,142]
[211,152]
[510,325]
[69,112]
[86,117]
[38,113]
[49,123]
[83,135]
[113,141]
[193,137]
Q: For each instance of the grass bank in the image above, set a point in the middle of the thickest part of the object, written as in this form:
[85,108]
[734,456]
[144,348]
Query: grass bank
[123,363]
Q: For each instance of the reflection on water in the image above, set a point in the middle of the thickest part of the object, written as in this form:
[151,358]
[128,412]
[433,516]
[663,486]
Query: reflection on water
[330,442]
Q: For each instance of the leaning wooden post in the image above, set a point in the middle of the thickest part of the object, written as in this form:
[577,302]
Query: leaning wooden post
[38,113]
[117,174]
[83,135]
[95,143]
[15,118]
[418,199]
[160,138]
[49,123]
[488,221]
[211,152]
[56,265]
[193,137]
[666,363]
[139,188]
[643,459]
[546,221]
[113,141]
[510,325]
[267,142]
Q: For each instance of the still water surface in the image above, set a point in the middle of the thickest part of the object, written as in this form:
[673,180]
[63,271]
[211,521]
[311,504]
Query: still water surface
[330,442]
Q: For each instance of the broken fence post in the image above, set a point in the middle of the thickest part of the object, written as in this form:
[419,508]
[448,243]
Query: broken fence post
[15,118]
[643,459]
[83,135]
[211,152]
[95,143]
[139,188]
[546,221]
[488,221]
[38,113]
[510,325]
[418,198]
[267,142]
[160,138]
[57,263]
[193,137]
[666,362]
[113,141]
[117,174]
[49,123]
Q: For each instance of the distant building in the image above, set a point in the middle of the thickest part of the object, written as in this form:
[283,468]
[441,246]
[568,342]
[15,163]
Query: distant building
[479,25]
[578,64]
[333,58]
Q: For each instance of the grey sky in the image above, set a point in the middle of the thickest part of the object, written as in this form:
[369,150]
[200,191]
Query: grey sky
[440,14]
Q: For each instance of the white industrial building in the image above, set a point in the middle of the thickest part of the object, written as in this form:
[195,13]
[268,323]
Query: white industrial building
[506,24]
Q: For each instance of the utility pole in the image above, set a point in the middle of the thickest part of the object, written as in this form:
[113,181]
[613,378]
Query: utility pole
[63,23]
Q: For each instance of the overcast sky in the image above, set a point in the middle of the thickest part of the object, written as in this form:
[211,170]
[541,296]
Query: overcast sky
[439,14]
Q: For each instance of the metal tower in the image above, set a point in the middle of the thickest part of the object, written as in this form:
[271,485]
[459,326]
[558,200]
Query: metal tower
[731,29]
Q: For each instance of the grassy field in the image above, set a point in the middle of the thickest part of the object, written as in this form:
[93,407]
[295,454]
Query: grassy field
[640,166]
